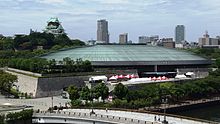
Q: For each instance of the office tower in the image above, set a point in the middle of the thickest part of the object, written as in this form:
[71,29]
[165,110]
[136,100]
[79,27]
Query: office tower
[168,42]
[102,31]
[148,40]
[142,39]
[179,34]
[207,41]
[123,38]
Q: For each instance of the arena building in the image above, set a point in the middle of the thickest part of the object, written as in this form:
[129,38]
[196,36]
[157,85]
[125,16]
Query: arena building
[145,59]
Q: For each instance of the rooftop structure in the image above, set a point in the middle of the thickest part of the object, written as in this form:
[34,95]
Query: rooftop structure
[147,58]
[54,27]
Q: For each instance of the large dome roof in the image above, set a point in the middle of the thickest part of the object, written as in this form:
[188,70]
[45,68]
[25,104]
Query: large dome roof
[129,55]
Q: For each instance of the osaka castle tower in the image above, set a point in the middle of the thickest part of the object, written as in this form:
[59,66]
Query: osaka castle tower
[54,27]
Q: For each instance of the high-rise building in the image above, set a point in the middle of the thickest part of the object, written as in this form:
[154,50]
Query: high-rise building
[54,27]
[142,39]
[102,31]
[148,40]
[123,38]
[179,33]
[207,41]
[168,42]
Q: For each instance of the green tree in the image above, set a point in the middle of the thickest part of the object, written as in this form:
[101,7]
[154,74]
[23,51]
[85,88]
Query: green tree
[6,43]
[62,40]
[77,42]
[7,80]
[73,92]
[102,91]
[85,93]
[120,91]
[217,62]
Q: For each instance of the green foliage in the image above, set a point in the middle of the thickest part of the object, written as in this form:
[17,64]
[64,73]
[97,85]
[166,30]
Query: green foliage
[22,115]
[31,41]
[6,44]
[73,92]
[76,103]
[120,91]
[208,53]
[2,119]
[77,43]
[118,103]
[85,93]
[68,66]
[62,40]
[101,90]
[6,81]
[56,47]
[41,65]
[152,94]
[217,62]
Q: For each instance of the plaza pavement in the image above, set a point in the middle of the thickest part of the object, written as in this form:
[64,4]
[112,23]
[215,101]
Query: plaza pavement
[38,103]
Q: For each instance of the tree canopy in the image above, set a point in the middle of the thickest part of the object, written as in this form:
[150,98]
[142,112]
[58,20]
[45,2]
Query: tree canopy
[120,91]
[34,39]
[73,92]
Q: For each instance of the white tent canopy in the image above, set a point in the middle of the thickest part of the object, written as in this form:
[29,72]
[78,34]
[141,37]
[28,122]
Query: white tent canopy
[96,78]
[190,73]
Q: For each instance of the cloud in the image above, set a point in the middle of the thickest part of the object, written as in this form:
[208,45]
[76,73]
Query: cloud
[136,17]
[52,1]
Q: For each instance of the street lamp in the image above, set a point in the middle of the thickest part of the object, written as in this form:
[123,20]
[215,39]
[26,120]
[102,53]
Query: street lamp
[164,101]
[52,104]
[92,96]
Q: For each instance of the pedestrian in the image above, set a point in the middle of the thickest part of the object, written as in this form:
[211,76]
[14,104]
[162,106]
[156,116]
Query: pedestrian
[155,118]
[106,109]
[159,118]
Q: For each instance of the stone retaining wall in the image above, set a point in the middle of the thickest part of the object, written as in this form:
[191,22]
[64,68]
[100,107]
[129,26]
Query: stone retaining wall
[45,86]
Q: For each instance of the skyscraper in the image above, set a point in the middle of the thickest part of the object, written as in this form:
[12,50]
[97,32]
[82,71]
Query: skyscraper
[123,38]
[102,31]
[179,33]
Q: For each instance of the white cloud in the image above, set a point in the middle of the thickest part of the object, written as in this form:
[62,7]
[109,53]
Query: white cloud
[52,1]
[134,16]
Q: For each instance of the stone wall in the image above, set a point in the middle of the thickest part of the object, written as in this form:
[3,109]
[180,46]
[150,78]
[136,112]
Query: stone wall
[54,85]
[45,86]
[25,83]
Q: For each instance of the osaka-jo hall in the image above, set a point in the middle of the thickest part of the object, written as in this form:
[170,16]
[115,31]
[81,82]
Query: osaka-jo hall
[146,60]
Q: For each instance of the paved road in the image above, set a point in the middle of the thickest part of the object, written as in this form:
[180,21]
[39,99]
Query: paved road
[138,116]
[39,103]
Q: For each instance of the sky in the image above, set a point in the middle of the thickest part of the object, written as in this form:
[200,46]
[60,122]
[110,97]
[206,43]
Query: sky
[135,17]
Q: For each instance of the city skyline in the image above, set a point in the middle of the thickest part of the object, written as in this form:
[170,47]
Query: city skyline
[79,18]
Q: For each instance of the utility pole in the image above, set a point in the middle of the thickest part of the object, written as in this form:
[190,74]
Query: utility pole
[52,104]
[164,100]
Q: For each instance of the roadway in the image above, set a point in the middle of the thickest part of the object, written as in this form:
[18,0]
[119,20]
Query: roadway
[38,103]
[83,116]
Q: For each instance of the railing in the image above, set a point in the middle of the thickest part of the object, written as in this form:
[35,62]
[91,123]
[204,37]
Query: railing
[90,117]
[157,113]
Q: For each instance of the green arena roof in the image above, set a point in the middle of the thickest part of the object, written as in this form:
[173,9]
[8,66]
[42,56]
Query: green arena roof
[128,54]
